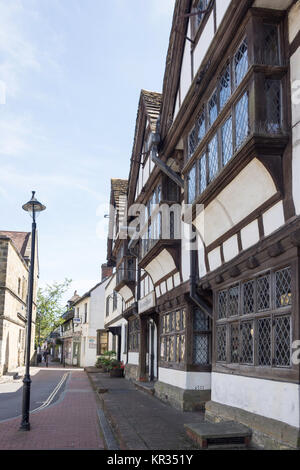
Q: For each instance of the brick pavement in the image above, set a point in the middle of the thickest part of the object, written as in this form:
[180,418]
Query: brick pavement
[140,420]
[71,423]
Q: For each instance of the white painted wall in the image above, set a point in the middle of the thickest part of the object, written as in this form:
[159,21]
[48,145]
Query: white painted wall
[230,248]
[221,6]
[273,218]
[249,190]
[276,400]
[250,235]
[214,259]
[203,44]
[186,69]
[133,358]
[185,380]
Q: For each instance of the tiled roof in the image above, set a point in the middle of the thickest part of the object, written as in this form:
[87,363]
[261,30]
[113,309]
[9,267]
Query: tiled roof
[19,239]
[74,297]
[152,102]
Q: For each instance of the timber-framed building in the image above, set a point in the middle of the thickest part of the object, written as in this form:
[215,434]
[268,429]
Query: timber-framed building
[213,314]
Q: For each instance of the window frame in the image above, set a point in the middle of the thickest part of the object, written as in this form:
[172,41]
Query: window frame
[256,369]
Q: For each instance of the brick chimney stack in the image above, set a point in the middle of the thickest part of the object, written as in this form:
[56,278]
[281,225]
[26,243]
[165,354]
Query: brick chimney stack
[106,271]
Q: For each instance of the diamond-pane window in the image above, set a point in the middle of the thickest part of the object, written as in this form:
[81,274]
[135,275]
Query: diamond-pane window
[222,304]
[202,174]
[264,342]
[283,281]
[192,185]
[241,120]
[213,109]
[233,300]
[201,127]
[247,334]
[201,321]
[273,106]
[263,293]
[234,343]
[201,7]
[221,343]
[200,349]
[213,160]
[225,87]
[241,62]
[227,149]
[192,141]
[271,45]
[282,341]
[248,297]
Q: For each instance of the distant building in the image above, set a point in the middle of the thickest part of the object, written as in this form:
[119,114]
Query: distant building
[15,250]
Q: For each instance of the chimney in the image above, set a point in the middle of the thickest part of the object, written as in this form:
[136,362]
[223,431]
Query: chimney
[106,271]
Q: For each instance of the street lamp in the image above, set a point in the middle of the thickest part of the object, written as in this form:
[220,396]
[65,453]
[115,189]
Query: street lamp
[34,207]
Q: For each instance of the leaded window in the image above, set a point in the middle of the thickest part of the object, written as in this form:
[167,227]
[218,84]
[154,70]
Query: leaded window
[201,338]
[273,106]
[225,87]
[241,63]
[283,287]
[172,338]
[241,120]
[196,134]
[213,108]
[271,44]
[227,147]
[221,343]
[201,7]
[213,159]
[234,343]
[264,342]
[192,185]
[202,174]
[247,334]
[282,341]
[133,334]
[261,310]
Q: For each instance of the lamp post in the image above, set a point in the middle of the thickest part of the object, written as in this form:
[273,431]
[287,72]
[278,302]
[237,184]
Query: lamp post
[34,207]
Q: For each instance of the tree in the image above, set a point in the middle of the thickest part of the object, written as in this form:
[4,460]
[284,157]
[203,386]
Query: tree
[49,309]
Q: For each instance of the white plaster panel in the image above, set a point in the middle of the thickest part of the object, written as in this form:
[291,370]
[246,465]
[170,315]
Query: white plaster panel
[269,398]
[221,6]
[176,279]
[133,358]
[201,257]
[176,106]
[249,190]
[186,71]
[203,43]
[185,380]
[295,84]
[294,21]
[126,293]
[170,283]
[157,290]
[214,259]
[163,288]
[273,4]
[230,248]
[296,167]
[250,235]
[273,218]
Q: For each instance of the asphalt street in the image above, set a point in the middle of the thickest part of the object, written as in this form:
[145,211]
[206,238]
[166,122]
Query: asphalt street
[44,382]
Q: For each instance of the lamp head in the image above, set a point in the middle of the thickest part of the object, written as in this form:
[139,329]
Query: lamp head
[33,206]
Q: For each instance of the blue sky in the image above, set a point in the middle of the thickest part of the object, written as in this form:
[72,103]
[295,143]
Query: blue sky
[73,71]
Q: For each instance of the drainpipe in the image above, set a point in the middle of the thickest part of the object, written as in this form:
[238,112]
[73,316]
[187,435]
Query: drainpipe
[196,298]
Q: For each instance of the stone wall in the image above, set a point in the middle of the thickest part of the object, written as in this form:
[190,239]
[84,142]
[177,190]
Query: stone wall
[184,400]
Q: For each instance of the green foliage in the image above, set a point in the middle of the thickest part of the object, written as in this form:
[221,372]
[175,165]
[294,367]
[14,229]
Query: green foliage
[105,360]
[49,308]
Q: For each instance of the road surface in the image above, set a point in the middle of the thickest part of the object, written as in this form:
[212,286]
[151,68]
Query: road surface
[43,390]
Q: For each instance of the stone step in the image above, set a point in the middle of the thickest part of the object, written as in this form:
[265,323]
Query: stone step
[226,434]
[147,387]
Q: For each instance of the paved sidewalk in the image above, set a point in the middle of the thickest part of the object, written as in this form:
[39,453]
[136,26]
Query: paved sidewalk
[141,421]
[71,423]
